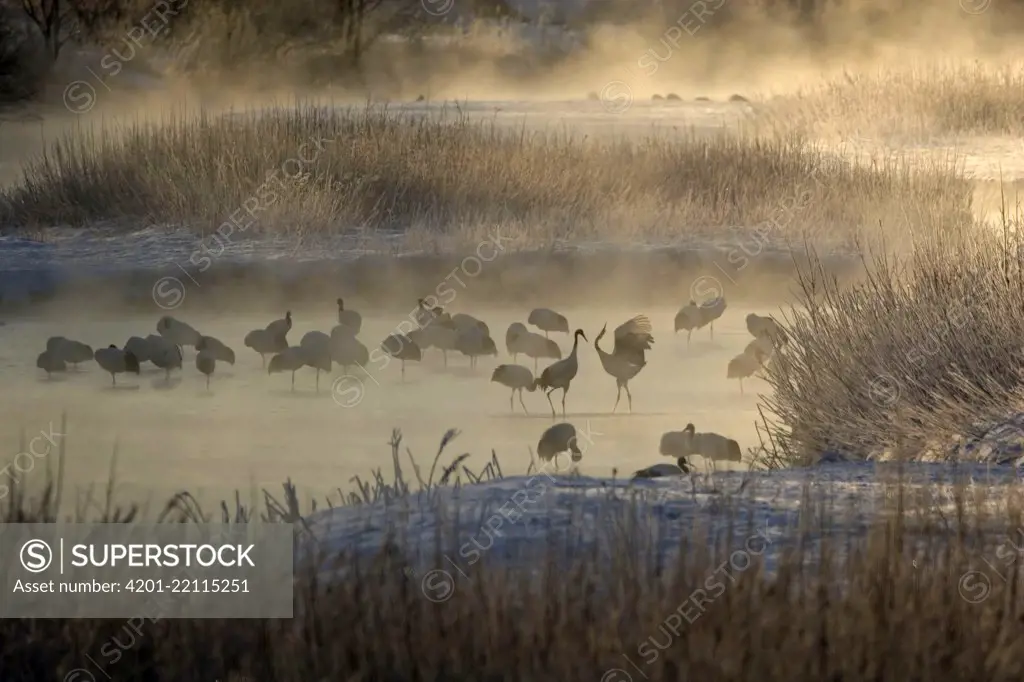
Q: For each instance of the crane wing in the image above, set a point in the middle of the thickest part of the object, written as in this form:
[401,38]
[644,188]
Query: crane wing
[632,338]
[636,333]
[639,325]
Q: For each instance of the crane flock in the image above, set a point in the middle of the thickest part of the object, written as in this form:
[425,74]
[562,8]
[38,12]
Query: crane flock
[435,329]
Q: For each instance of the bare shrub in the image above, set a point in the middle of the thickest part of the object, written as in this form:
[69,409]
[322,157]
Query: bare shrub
[924,349]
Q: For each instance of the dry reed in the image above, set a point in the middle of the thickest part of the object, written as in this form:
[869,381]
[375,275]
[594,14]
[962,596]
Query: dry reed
[448,178]
[925,349]
[924,103]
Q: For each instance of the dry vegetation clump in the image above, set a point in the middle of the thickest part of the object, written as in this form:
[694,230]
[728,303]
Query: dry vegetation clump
[449,175]
[925,349]
[933,600]
[916,104]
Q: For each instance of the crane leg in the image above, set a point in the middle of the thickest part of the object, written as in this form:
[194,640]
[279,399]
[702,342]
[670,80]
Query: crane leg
[264,359]
[712,331]
[293,381]
[317,380]
[629,396]
[403,370]
[618,396]
[564,392]
[689,333]
[522,403]
[551,403]
[511,406]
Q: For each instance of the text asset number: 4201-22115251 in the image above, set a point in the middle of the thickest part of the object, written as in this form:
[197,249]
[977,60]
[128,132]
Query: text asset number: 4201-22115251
[211,585]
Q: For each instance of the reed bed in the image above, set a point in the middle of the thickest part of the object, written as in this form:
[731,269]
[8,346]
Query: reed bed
[447,178]
[921,103]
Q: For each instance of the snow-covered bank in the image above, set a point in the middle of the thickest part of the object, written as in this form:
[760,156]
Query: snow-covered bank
[134,263]
[518,519]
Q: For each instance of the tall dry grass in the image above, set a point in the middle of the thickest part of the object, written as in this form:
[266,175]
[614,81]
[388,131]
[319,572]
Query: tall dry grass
[447,174]
[921,103]
[926,348]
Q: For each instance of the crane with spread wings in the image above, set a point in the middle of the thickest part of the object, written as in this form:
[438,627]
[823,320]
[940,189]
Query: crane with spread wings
[632,340]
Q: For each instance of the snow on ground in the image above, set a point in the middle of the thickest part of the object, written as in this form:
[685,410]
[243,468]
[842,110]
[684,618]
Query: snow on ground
[31,268]
[34,269]
[514,519]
